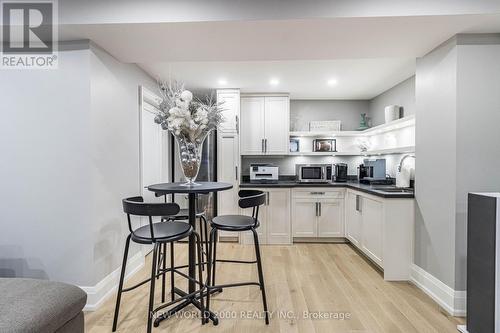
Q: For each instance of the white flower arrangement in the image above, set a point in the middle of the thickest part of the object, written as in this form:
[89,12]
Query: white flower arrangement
[189,120]
[185,116]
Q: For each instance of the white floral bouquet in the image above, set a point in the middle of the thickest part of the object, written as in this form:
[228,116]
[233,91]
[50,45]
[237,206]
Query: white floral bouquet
[189,120]
[185,116]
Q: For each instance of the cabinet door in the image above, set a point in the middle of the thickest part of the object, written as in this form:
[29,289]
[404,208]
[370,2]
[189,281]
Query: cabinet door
[230,99]
[278,217]
[228,172]
[372,212]
[277,119]
[353,219]
[331,218]
[252,126]
[304,217]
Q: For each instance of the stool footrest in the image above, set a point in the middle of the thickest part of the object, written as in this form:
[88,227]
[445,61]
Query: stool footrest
[230,285]
[237,261]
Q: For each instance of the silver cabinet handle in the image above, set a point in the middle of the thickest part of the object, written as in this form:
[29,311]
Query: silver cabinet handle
[237,124]
[317,193]
[265,145]
[316,208]
[319,208]
[267,198]
[236,171]
[262,146]
[358,203]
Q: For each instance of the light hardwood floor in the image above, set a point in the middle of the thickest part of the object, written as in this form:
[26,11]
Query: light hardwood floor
[331,279]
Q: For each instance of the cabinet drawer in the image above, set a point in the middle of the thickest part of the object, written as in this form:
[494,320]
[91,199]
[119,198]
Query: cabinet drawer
[318,193]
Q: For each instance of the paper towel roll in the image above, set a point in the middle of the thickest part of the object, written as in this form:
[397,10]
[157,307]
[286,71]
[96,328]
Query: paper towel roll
[391,113]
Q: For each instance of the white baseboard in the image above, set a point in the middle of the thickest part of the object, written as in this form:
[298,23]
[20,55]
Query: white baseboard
[97,294]
[451,300]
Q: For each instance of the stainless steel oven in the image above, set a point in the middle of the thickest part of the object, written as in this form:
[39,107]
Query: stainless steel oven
[313,173]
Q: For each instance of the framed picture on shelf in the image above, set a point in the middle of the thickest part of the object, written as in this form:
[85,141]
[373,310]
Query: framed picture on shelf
[294,145]
[325,145]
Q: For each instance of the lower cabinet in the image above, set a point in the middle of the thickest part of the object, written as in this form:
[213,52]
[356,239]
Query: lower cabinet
[274,218]
[317,213]
[383,230]
[353,218]
[372,224]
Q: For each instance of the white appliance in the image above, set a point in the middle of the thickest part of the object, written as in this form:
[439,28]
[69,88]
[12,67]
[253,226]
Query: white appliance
[263,173]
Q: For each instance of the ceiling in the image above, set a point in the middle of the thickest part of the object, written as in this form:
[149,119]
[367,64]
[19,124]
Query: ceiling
[313,79]
[365,55]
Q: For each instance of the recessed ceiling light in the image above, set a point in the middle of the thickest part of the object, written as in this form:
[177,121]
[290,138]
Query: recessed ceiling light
[274,82]
[222,82]
[332,82]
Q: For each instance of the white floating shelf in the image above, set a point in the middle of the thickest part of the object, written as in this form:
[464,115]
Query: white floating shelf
[324,153]
[396,150]
[388,151]
[393,125]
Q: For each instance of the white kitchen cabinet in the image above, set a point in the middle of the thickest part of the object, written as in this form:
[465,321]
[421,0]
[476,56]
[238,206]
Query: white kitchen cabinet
[252,125]
[265,122]
[353,218]
[330,218]
[228,157]
[276,123]
[274,218]
[383,230]
[230,99]
[372,222]
[317,213]
[304,217]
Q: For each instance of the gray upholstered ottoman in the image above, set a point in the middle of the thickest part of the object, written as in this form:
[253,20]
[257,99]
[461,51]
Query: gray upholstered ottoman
[40,306]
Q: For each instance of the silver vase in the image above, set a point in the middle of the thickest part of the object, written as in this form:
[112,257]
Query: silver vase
[190,156]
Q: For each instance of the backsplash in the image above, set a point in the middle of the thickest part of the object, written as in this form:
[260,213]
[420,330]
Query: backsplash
[287,163]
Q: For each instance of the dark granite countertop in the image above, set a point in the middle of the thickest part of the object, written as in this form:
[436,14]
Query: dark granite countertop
[383,191]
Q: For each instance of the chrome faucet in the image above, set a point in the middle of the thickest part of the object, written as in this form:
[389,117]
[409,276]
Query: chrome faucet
[402,160]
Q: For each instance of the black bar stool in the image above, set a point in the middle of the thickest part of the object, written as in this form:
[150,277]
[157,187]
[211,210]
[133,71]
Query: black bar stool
[157,234]
[248,199]
[183,215]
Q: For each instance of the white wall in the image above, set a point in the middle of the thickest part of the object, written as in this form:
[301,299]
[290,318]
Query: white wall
[435,172]
[46,171]
[115,151]
[458,103]
[71,139]
[402,94]
[348,111]
[478,118]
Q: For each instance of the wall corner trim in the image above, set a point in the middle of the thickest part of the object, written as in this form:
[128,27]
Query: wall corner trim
[99,293]
[452,301]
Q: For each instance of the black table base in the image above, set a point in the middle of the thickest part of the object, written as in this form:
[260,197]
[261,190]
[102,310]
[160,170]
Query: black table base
[190,301]
[204,187]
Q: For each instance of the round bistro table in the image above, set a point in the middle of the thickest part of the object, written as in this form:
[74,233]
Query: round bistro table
[192,191]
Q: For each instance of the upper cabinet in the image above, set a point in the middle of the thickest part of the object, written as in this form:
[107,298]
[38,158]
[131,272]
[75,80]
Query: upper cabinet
[230,99]
[264,125]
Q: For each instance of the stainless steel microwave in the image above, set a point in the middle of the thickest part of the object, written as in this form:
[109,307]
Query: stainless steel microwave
[313,173]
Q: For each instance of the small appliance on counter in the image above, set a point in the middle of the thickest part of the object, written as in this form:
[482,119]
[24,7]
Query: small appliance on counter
[313,173]
[339,173]
[263,173]
[373,171]
[364,171]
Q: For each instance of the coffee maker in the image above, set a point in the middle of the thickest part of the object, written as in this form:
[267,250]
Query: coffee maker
[373,171]
[365,171]
[339,172]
